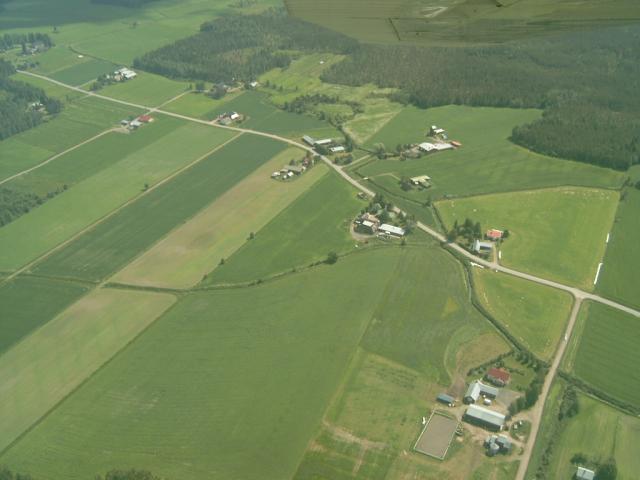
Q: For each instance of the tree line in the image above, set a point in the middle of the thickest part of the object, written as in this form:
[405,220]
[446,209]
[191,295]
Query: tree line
[22,106]
[123,3]
[242,47]
[6,474]
[10,40]
[587,83]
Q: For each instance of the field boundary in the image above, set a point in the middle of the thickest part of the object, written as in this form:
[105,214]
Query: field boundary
[424,430]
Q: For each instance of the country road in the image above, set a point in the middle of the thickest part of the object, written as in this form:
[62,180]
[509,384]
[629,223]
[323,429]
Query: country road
[579,295]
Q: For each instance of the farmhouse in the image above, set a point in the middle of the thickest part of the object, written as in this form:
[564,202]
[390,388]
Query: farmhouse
[446,399]
[478,388]
[422,181]
[145,118]
[498,377]
[391,230]
[484,417]
[585,474]
[494,234]
[482,247]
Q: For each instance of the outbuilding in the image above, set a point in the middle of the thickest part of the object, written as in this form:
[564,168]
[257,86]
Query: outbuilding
[323,142]
[585,474]
[446,399]
[494,234]
[484,417]
[392,230]
[338,149]
[498,377]
[308,140]
[482,247]
[478,388]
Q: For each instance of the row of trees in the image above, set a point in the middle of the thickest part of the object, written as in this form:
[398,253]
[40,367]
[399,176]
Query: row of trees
[6,474]
[587,82]
[10,40]
[22,106]
[241,47]
[15,203]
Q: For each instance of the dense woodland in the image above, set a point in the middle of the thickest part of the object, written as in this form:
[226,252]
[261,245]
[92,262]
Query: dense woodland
[8,41]
[241,47]
[588,84]
[17,99]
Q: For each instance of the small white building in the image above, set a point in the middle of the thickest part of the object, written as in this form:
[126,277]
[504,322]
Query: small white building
[234,116]
[126,73]
[308,140]
[427,147]
[585,474]
[323,142]
[391,230]
[338,149]
[482,247]
[135,124]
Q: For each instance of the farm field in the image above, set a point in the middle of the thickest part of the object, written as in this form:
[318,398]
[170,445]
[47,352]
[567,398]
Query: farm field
[105,249]
[604,352]
[23,312]
[80,120]
[549,236]
[292,238]
[487,161]
[181,399]
[84,72]
[146,89]
[619,278]
[188,253]
[534,314]
[47,366]
[265,117]
[198,105]
[65,215]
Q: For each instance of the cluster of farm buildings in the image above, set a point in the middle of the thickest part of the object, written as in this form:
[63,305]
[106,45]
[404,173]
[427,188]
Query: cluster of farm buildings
[228,118]
[326,143]
[292,170]
[137,122]
[486,246]
[369,224]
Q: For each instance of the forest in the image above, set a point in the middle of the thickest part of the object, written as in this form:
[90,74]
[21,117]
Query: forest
[587,83]
[8,40]
[22,106]
[241,47]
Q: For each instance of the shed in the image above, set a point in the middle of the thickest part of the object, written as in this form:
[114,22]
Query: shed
[482,247]
[504,443]
[494,234]
[427,147]
[323,142]
[392,230]
[338,149]
[446,399]
[135,124]
[297,169]
[478,388]
[585,474]
[234,116]
[484,417]
[498,377]
[308,140]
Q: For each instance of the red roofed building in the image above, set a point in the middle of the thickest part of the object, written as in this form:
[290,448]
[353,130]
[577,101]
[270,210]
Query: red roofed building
[145,118]
[494,234]
[498,377]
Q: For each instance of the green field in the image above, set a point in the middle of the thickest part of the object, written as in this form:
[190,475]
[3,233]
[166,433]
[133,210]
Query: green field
[181,400]
[49,364]
[197,105]
[192,250]
[106,248]
[55,221]
[604,352]
[534,314]
[306,231]
[23,311]
[146,89]
[487,161]
[619,278]
[84,72]
[81,119]
[549,236]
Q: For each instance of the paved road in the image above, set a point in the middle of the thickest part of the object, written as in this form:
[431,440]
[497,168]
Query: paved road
[578,294]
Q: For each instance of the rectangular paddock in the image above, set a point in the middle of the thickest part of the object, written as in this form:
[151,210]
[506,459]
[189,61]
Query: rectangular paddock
[436,436]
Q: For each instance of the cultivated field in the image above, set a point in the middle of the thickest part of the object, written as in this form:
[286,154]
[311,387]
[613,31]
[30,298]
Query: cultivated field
[181,400]
[549,236]
[604,352]
[316,223]
[195,248]
[30,302]
[619,278]
[198,105]
[487,161]
[84,72]
[48,365]
[108,247]
[534,314]
[58,219]
[146,89]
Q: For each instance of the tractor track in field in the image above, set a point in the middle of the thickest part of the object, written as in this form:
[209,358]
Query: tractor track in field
[579,295]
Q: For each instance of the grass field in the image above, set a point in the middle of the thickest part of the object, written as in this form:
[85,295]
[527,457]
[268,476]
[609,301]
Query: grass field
[58,219]
[105,249]
[549,236]
[534,314]
[146,89]
[198,105]
[486,163]
[84,72]
[619,278]
[81,119]
[192,250]
[316,223]
[43,369]
[29,302]
[604,353]
[181,400]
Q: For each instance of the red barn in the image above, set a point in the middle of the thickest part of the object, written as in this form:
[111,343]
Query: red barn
[494,234]
[498,377]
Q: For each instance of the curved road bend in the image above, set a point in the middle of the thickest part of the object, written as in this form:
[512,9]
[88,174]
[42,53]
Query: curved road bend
[579,295]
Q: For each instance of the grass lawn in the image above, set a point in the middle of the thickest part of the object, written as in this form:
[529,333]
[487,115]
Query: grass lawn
[620,278]
[108,247]
[228,384]
[48,365]
[34,234]
[316,223]
[536,315]
[30,302]
[146,89]
[549,236]
[81,119]
[487,161]
[192,250]
[604,351]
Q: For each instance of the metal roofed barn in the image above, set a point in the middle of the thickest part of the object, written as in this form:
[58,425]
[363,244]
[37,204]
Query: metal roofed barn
[484,417]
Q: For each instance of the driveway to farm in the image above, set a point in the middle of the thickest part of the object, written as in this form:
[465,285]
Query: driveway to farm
[579,295]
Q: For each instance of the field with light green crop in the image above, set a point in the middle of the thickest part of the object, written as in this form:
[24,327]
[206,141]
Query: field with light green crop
[548,234]
[487,162]
[534,314]
[604,352]
[146,89]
